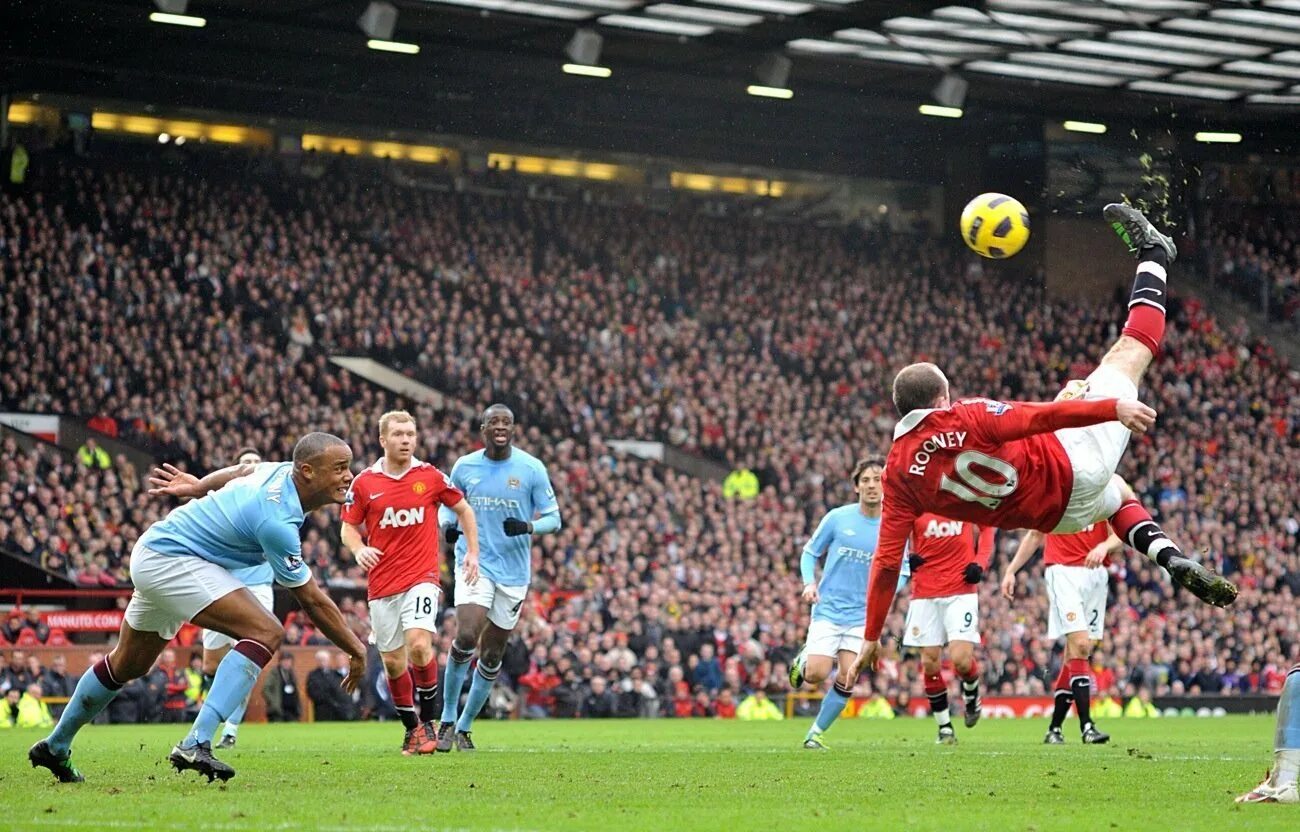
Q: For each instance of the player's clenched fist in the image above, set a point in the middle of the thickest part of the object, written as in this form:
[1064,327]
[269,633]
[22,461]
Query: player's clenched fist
[1134,415]
[867,659]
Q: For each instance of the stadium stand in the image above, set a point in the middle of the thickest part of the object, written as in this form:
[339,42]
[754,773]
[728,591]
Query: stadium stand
[137,295]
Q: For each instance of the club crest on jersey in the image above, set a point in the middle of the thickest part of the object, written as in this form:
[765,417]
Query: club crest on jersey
[419,488]
[513,482]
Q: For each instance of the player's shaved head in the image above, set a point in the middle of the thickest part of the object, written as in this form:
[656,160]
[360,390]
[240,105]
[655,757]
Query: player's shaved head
[311,446]
[918,387]
[494,409]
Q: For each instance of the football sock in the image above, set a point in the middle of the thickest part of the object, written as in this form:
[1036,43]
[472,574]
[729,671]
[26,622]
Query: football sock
[1064,698]
[479,690]
[832,706]
[1287,745]
[403,690]
[970,680]
[233,682]
[93,693]
[426,689]
[233,721]
[1146,306]
[936,690]
[453,681]
[1133,523]
[1081,687]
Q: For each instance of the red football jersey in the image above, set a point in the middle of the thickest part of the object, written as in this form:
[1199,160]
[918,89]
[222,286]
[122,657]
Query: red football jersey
[995,464]
[400,516]
[947,547]
[1072,549]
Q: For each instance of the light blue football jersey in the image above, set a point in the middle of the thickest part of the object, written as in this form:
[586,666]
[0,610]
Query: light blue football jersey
[847,541]
[251,523]
[517,486]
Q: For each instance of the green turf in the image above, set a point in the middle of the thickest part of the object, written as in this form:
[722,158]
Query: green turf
[1178,774]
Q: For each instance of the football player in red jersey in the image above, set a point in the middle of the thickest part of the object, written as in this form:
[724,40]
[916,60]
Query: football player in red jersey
[390,524]
[1034,465]
[948,560]
[1076,581]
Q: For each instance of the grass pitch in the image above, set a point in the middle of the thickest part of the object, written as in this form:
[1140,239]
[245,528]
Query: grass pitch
[630,775]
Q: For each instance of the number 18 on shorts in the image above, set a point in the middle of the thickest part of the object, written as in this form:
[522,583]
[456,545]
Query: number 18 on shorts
[391,617]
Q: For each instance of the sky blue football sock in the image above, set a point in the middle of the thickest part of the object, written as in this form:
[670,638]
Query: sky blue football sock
[235,677]
[453,680]
[233,721]
[1288,714]
[479,690]
[91,696]
[832,706]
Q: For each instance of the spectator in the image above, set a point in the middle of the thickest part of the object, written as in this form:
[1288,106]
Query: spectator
[91,455]
[757,706]
[330,703]
[174,684]
[34,623]
[600,702]
[741,483]
[13,626]
[56,682]
[280,690]
[1141,705]
[32,712]
[9,708]
[707,673]
[725,705]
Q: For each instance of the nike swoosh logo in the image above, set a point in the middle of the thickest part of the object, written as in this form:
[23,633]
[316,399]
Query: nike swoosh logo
[376,496]
[1155,291]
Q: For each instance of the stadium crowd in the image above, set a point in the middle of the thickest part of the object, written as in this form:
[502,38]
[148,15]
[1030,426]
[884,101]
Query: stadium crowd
[193,314]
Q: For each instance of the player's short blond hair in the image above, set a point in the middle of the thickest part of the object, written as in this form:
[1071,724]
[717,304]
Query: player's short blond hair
[393,416]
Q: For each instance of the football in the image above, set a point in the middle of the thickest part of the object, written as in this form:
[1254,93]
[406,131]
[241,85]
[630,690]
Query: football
[995,226]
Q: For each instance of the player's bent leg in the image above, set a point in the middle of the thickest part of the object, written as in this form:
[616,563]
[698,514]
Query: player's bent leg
[491,651]
[1280,785]
[936,690]
[1145,327]
[1133,523]
[135,653]
[817,668]
[835,700]
[470,621]
[258,635]
[964,662]
[424,670]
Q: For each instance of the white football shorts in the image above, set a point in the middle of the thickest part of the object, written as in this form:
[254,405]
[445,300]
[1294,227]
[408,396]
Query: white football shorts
[826,638]
[265,595]
[933,622]
[392,616]
[1077,600]
[171,589]
[1094,454]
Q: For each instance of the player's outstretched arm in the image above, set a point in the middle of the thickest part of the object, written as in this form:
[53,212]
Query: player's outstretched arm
[170,481]
[1112,546]
[325,614]
[1029,545]
[1006,422]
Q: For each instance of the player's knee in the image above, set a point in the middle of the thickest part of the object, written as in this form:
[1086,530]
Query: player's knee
[395,663]
[930,665]
[126,667]
[492,656]
[420,651]
[269,634]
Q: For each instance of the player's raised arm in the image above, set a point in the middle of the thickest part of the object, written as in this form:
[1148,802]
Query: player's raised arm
[998,422]
[1029,545]
[325,614]
[170,481]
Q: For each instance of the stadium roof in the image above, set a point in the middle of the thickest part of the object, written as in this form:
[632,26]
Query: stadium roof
[680,69]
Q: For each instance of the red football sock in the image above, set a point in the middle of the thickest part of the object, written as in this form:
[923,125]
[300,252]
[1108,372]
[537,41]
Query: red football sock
[403,690]
[1133,523]
[426,688]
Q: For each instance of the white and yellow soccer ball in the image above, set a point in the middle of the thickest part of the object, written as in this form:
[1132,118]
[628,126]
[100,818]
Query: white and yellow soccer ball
[995,226]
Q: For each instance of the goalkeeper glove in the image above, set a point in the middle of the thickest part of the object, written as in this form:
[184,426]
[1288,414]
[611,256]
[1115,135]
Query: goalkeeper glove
[450,534]
[974,573]
[514,527]
[914,562]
